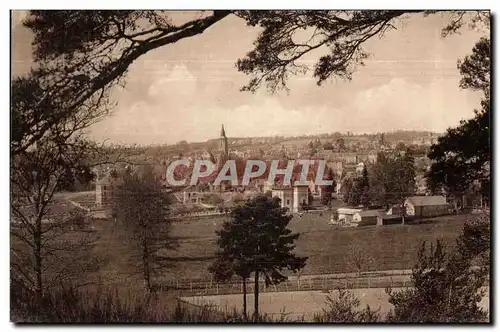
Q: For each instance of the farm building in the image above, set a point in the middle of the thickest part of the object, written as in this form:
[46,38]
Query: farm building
[388,219]
[395,210]
[345,216]
[426,206]
[367,217]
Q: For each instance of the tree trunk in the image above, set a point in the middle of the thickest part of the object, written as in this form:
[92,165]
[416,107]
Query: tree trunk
[403,213]
[37,250]
[245,298]
[146,272]
[256,296]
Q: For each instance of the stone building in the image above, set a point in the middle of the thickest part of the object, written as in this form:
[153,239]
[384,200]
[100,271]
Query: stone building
[292,197]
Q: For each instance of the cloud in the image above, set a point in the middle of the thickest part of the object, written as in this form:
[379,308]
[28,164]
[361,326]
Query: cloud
[179,82]
[435,105]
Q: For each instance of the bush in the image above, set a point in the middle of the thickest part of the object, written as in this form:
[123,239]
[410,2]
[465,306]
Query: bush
[448,286]
[344,308]
[70,305]
[77,218]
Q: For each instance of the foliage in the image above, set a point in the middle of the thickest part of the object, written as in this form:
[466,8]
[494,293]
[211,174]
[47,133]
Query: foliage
[461,158]
[343,307]
[39,223]
[364,198]
[110,305]
[447,287]
[355,193]
[256,239]
[475,68]
[392,178]
[212,199]
[359,257]
[140,207]
[90,51]
[329,190]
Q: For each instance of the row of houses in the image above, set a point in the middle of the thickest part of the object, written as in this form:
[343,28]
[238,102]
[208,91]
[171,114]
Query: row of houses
[415,207]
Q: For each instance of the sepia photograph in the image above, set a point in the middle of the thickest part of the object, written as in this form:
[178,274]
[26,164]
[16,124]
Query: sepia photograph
[250,166]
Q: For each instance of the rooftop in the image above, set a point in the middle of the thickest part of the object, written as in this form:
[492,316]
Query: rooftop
[427,200]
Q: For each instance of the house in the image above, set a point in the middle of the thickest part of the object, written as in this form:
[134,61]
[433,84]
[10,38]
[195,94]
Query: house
[345,216]
[366,218]
[293,198]
[103,192]
[316,190]
[285,194]
[426,206]
[192,197]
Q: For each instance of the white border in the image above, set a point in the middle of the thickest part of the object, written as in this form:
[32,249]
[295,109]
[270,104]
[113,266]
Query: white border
[255,4]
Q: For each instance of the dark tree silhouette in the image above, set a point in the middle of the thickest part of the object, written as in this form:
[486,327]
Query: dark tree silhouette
[475,68]
[462,156]
[447,286]
[365,188]
[256,239]
[327,191]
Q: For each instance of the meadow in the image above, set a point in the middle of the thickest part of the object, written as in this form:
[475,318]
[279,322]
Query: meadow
[330,249]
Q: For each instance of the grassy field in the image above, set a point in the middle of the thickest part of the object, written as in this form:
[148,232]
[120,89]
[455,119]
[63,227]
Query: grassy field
[329,248]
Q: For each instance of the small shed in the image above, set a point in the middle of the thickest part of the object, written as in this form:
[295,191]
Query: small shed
[366,218]
[388,219]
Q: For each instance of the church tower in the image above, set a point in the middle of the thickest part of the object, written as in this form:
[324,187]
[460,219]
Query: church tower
[223,143]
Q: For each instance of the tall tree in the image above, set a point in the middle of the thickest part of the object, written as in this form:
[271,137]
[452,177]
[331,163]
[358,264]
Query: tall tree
[328,190]
[43,253]
[402,179]
[462,156]
[229,263]
[365,188]
[257,240]
[40,169]
[355,192]
[140,207]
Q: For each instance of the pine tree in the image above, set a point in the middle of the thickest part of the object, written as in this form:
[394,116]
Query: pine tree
[256,240]
[365,188]
[447,286]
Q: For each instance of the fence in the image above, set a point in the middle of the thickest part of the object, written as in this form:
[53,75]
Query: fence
[198,214]
[304,283]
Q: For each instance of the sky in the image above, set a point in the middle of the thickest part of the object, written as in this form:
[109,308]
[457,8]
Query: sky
[186,90]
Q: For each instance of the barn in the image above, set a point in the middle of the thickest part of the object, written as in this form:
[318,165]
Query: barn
[426,206]
[388,219]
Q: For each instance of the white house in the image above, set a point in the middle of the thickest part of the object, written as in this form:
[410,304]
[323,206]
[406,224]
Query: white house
[345,216]
[292,198]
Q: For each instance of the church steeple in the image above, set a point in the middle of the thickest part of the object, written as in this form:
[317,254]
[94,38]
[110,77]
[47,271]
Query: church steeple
[222,132]
[223,142]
